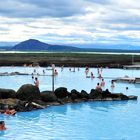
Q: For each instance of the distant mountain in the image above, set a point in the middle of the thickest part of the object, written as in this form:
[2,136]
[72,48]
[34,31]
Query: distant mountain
[35,45]
[7,44]
[108,46]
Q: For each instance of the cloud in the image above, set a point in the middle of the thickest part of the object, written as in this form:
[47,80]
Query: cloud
[100,1]
[83,21]
[41,8]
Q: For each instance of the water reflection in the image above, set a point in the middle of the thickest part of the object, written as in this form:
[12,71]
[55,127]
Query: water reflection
[108,105]
[29,116]
[2,133]
[62,110]
[76,106]
[137,85]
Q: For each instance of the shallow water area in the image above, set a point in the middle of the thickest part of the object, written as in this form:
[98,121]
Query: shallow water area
[108,120]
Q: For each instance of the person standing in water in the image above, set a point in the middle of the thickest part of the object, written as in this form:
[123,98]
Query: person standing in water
[98,87]
[55,72]
[112,84]
[43,72]
[36,82]
[102,83]
[92,76]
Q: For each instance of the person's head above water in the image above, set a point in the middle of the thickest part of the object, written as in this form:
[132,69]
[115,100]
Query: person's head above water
[2,122]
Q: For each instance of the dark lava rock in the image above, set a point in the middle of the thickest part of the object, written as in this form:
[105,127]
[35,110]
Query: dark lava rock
[7,93]
[106,93]
[95,94]
[132,97]
[84,94]
[119,96]
[48,96]
[28,97]
[61,92]
[75,95]
[28,92]
[66,100]
[10,102]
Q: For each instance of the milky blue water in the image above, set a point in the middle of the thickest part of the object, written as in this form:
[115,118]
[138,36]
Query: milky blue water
[109,120]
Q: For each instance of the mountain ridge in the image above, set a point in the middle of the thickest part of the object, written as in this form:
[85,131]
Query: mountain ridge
[36,45]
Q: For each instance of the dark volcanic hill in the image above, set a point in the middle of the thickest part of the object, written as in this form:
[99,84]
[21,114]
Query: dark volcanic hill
[35,45]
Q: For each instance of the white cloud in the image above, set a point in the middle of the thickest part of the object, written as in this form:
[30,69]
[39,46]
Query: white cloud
[81,21]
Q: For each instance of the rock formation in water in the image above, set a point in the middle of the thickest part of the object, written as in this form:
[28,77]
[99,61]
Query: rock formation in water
[29,97]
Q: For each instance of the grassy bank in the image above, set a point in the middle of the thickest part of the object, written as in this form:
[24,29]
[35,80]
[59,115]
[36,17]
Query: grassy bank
[67,59]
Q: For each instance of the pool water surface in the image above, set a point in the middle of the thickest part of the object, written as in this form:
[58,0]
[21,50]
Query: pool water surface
[108,120]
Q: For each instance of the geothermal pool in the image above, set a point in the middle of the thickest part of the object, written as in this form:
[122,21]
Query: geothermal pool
[109,120]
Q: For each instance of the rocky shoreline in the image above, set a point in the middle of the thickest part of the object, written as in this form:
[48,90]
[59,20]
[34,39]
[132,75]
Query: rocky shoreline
[29,97]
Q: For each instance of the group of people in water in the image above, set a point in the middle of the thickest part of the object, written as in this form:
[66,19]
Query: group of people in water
[100,85]
[35,76]
[6,111]
[99,73]
[87,70]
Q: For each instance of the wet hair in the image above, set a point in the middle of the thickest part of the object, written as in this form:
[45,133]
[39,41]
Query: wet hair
[1,122]
[11,107]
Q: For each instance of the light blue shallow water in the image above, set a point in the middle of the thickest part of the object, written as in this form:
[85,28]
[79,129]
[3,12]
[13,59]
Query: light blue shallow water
[118,120]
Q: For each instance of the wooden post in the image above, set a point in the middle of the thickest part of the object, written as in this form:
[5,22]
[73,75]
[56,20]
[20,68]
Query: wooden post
[132,59]
[53,68]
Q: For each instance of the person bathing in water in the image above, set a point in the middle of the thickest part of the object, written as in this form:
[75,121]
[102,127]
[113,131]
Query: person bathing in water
[36,82]
[55,72]
[92,76]
[8,110]
[2,125]
[98,87]
[102,83]
[112,84]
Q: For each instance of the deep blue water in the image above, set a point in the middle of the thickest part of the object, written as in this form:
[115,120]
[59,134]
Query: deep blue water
[108,120]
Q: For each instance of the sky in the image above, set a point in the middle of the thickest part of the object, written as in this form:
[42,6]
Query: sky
[71,21]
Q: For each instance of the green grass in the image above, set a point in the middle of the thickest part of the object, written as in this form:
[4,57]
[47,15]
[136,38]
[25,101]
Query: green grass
[66,58]
[84,55]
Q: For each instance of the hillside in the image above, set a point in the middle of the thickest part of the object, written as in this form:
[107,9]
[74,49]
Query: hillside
[35,45]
